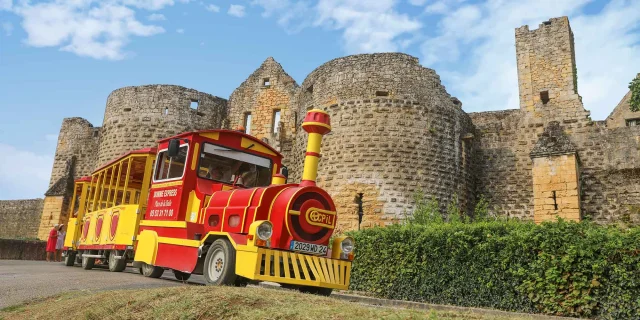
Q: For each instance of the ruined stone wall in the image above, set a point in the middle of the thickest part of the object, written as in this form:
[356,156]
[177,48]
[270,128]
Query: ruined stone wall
[79,138]
[395,131]
[609,173]
[267,89]
[20,218]
[608,157]
[136,117]
[502,164]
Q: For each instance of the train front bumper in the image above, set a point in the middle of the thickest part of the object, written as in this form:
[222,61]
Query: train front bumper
[293,268]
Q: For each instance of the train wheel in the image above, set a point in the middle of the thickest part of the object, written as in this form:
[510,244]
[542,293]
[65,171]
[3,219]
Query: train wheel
[220,264]
[70,259]
[117,265]
[87,263]
[182,276]
[315,290]
[151,271]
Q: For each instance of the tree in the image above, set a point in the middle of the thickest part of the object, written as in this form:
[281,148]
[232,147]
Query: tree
[634,86]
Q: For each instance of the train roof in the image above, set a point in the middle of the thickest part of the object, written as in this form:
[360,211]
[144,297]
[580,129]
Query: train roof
[152,150]
[232,132]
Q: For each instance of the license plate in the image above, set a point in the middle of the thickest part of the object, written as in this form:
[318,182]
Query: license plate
[308,247]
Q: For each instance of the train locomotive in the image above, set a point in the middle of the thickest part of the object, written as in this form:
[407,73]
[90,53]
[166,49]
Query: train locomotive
[216,203]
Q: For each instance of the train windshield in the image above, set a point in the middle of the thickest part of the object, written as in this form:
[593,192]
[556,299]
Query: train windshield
[233,167]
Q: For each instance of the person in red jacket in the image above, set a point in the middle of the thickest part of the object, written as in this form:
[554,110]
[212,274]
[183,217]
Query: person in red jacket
[51,243]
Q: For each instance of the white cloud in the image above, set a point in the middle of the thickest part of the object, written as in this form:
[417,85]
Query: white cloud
[180,30]
[371,26]
[366,26]
[91,28]
[23,174]
[607,55]
[236,10]
[212,8]
[7,27]
[156,17]
[473,50]
[5,4]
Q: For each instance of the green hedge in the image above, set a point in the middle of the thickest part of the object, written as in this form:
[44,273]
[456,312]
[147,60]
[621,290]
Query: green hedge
[560,268]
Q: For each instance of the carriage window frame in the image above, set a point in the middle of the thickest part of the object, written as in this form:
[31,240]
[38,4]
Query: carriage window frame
[158,162]
[198,165]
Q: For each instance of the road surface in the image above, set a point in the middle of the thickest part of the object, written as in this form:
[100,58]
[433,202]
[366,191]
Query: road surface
[22,281]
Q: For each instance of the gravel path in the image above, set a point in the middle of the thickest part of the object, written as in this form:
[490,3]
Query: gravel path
[22,281]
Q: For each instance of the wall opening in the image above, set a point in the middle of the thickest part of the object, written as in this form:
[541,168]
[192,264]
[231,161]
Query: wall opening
[555,201]
[247,123]
[547,23]
[382,93]
[276,120]
[95,134]
[544,97]
[310,89]
[126,109]
[166,111]
[195,104]
[266,82]
[295,119]
[633,122]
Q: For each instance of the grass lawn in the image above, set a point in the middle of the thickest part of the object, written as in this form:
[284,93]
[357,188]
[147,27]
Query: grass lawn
[196,302]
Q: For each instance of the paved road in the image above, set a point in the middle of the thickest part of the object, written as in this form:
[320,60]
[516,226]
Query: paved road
[21,281]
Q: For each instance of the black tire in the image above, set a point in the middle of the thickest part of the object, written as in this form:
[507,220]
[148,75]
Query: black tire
[289,286]
[316,290]
[220,264]
[182,276]
[241,281]
[117,265]
[70,259]
[88,263]
[151,271]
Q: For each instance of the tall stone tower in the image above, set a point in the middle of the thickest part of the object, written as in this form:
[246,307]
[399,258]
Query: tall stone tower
[547,73]
[548,82]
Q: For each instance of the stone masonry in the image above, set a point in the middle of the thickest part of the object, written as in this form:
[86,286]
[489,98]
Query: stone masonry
[267,90]
[397,132]
[137,117]
[20,218]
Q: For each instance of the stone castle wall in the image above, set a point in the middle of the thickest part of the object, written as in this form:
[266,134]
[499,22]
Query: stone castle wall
[20,218]
[395,131]
[137,117]
[79,138]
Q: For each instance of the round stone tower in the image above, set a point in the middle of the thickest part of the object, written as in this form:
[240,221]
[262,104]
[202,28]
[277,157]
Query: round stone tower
[395,132]
[136,117]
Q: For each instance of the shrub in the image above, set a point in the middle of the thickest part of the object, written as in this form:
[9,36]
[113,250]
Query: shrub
[560,268]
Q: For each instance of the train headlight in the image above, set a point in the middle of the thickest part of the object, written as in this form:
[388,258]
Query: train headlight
[343,248]
[347,245]
[264,231]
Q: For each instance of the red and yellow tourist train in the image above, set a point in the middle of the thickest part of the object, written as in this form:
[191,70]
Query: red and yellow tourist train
[214,203]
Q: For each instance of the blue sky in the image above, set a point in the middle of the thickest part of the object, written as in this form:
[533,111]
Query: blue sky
[61,58]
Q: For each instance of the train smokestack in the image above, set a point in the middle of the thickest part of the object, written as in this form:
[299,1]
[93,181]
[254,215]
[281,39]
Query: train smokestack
[317,124]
